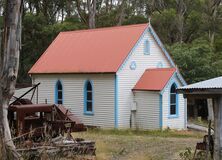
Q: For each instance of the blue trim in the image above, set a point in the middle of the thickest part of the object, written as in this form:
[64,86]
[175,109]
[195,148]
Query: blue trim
[177,103]
[157,39]
[181,78]
[56,91]
[88,113]
[159,65]
[161,111]
[160,44]
[85,98]
[168,83]
[116,101]
[173,116]
[133,65]
[146,47]
[132,50]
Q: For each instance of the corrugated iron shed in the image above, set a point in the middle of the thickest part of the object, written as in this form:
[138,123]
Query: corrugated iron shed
[215,83]
[154,79]
[209,89]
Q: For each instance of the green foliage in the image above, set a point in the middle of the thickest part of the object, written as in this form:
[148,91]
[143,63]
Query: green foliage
[137,19]
[196,60]
[192,31]
[108,19]
[37,35]
[165,25]
[193,26]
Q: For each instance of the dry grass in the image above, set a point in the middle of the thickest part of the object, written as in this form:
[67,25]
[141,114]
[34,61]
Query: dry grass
[140,145]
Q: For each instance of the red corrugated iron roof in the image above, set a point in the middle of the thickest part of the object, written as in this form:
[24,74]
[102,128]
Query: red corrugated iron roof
[154,79]
[89,51]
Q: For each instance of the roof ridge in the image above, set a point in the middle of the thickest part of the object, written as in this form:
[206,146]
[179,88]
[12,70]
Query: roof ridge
[105,28]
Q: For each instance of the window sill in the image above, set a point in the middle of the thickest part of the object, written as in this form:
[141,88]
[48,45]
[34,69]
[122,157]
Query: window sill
[89,113]
[173,116]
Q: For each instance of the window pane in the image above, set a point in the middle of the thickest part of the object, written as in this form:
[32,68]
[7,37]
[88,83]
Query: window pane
[59,101]
[59,86]
[89,86]
[59,92]
[146,47]
[172,109]
[173,99]
[89,106]
[59,95]
[89,95]
[173,89]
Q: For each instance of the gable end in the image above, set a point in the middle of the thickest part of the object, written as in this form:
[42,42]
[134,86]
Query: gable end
[160,44]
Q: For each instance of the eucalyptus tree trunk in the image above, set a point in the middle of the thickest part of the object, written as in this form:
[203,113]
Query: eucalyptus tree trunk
[69,8]
[181,10]
[121,12]
[92,13]
[9,64]
[212,13]
[81,12]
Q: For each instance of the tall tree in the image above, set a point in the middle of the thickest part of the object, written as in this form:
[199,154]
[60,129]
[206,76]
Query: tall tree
[81,10]
[9,70]
[69,8]
[181,10]
[121,14]
[92,13]
[211,9]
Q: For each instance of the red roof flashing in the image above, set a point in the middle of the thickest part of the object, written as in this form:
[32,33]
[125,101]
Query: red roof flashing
[154,79]
[89,51]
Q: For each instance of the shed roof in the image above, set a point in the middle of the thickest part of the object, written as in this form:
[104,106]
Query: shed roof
[154,79]
[214,83]
[89,51]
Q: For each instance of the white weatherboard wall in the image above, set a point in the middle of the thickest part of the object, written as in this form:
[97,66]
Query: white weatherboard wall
[147,115]
[73,95]
[21,91]
[180,121]
[127,78]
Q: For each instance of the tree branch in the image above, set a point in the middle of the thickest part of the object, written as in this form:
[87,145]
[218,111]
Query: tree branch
[79,10]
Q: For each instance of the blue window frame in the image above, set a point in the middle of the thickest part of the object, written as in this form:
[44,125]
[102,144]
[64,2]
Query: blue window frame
[159,65]
[133,65]
[146,47]
[88,98]
[58,93]
[173,101]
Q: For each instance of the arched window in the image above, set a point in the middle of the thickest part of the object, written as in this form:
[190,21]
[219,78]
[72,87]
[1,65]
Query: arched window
[58,93]
[146,47]
[88,98]
[173,100]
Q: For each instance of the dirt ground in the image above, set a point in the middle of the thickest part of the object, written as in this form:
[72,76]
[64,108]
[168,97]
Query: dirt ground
[136,145]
